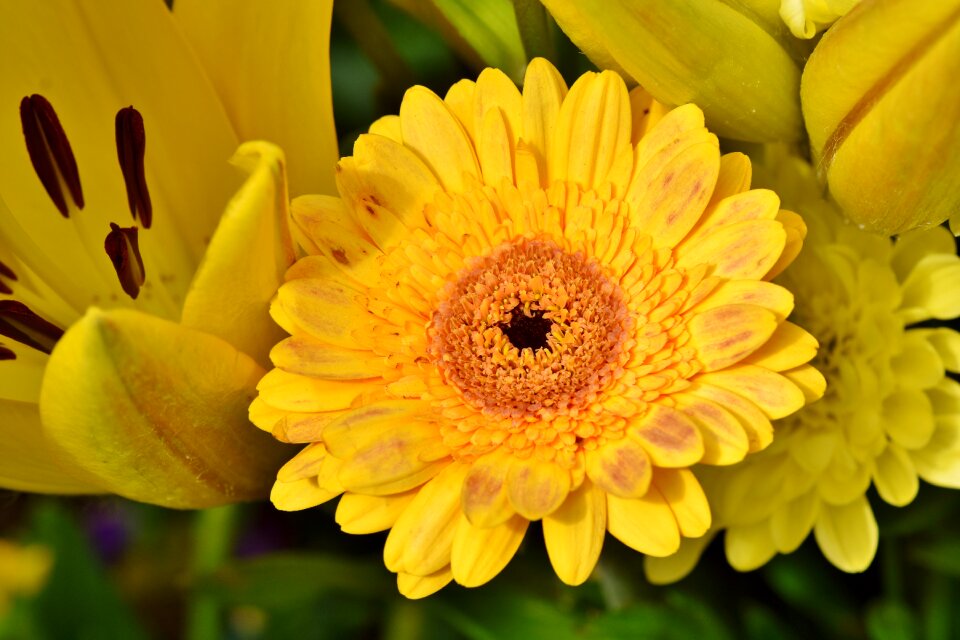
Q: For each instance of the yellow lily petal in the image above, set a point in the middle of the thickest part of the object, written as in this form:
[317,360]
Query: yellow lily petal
[243,48]
[28,462]
[157,412]
[574,533]
[480,553]
[848,535]
[246,259]
[93,62]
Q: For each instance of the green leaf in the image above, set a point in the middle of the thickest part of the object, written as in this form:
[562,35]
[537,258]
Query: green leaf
[887,620]
[536,29]
[505,613]
[79,600]
[812,588]
[941,555]
[288,579]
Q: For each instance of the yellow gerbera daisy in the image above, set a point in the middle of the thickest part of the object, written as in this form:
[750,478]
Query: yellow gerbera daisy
[890,413]
[531,306]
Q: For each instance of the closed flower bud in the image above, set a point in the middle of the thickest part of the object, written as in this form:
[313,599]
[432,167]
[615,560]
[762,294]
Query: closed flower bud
[881,102]
[739,65]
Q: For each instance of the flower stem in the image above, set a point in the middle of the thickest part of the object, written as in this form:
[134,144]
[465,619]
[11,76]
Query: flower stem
[213,534]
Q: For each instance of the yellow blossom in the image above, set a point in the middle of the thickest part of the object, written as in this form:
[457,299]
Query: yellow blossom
[890,415]
[134,319]
[537,305]
[23,571]
[879,101]
[806,17]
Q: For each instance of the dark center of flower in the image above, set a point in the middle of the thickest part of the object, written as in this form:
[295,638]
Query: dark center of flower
[527,331]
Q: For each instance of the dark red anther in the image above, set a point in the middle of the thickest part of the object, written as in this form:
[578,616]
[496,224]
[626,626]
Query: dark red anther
[50,151]
[131,145]
[123,247]
[7,272]
[7,354]
[19,323]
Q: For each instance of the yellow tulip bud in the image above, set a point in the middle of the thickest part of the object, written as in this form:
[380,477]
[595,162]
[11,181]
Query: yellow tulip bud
[731,59]
[156,411]
[881,103]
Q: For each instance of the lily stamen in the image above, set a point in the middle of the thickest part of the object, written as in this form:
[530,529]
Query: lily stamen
[50,152]
[123,248]
[131,145]
[19,323]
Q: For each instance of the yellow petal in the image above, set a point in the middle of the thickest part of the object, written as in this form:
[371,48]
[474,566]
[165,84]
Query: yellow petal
[157,412]
[247,258]
[676,566]
[750,92]
[242,50]
[422,539]
[28,462]
[756,425]
[543,93]
[387,185]
[480,553]
[682,491]
[644,524]
[574,533]
[301,428]
[791,522]
[305,464]
[745,250]
[621,467]
[773,394]
[908,418]
[385,457]
[432,131]
[848,535]
[756,204]
[724,439]
[459,99]
[918,365]
[20,377]
[796,230]
[808,379]
[770,296]
[646,112]
[895,477]
[307,356]
[96,60]
[494,90]
[358,513]
[726,335]
[947,344]
[939,462]
[592,129]
[388,127]
[328,228]
[669,437]
[931,289]
[303,394]
[328,310]
[484,499]
[536,487]
[672,199]
[749,547]
[788,347]
[417,587]
[301,494]
[494,149]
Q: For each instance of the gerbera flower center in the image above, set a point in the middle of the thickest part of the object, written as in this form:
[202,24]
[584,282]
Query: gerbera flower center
[530,331]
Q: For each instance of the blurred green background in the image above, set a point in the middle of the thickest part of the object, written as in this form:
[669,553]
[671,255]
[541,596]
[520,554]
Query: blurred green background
[125,570]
